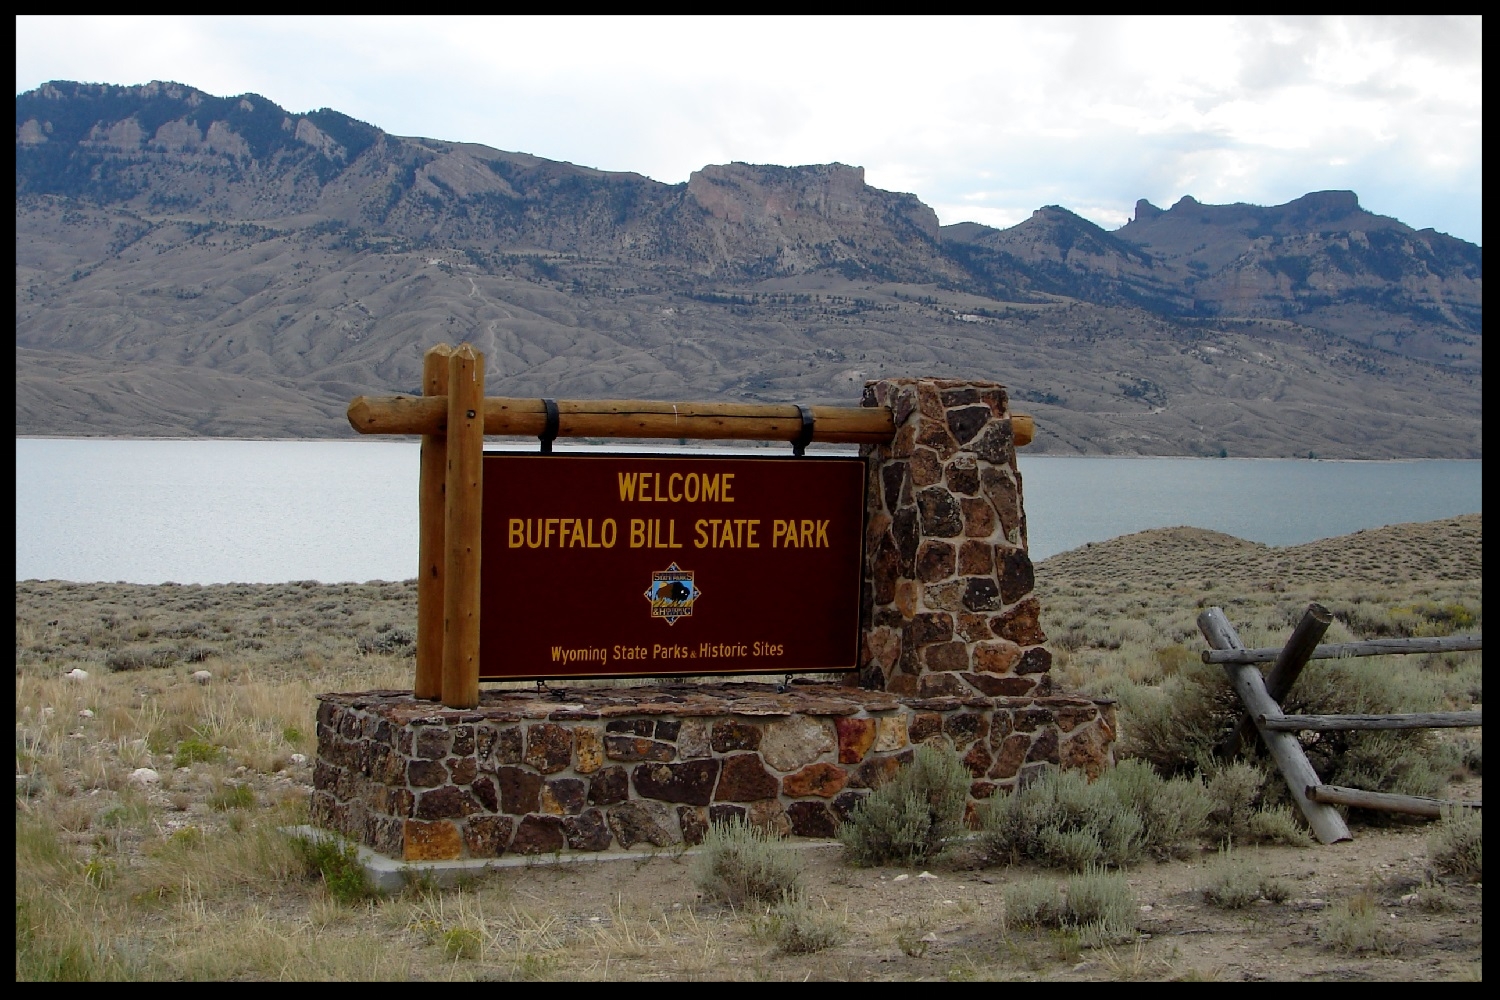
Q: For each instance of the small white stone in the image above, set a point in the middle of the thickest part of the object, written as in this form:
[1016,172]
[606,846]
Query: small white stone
[299,759]
[77,674]
[202,676]
[930,937]
[48,712]
[85,713]
[1408,899]
[1147,908]
[144,776]
[901,878]
[927,875]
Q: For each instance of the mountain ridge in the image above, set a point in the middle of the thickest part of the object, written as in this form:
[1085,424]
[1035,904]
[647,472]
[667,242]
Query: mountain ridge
[161,225]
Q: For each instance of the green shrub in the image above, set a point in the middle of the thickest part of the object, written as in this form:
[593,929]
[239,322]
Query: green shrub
[740,863]
[195,751]
[227,797]
[1357,925]
[1240,814]
[1095,903]
[797,927]
[911,818]
[1065,821]
[1457,844]
[337,864]
[1234,883]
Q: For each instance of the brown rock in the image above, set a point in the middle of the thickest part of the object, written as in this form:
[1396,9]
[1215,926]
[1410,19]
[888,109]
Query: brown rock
[487,836]
[947,596]
[462,769]
[855,736]
[1088,752]
[923,725]
[724,814]
[691,781]
[549,747]
[633,727]
[485,791]
[926,469]
[436,840]
[981,594]
[732,734]
[978,760]
[588,831]
[507,748]
[893,478]
[447,802]
[693,821]
[1029,720]
[934,561]
[433,743]
[609,786]
[588,748]
[822,780]
[632,748]
[904,685]
[882,648]
[563,796]
[1021,624]
[638,821]
[966,421]
[1004,493]
[982,789]
[745,779]
[426,773]
[874,772]
[845,802]
[812,819]
[885,568]
[976,558]
[770,817]
[940,686]
[1044,747]
[463,741]
[539,835]
[1070,717]
[520,790]
[979,517]
[997,686]
[945,656]
[963,474]
[995,443]
[1017,579]
[1036,660]
[997,656]
[929,627]
[940,512]
[964,728]
[1011,756]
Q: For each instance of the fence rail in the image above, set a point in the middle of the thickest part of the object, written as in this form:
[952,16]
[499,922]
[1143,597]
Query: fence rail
[1262,697]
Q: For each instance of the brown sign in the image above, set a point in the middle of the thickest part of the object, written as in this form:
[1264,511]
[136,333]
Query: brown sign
[643,565]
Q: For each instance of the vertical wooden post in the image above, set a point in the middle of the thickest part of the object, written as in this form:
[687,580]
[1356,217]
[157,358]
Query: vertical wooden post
[431,555]
[1284,672]
[465,510]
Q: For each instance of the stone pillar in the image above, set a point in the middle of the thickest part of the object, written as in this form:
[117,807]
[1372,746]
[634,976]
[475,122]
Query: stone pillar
[947,607]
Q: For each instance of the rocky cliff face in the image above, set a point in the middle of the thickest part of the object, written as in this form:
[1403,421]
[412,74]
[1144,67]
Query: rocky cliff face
[177,252]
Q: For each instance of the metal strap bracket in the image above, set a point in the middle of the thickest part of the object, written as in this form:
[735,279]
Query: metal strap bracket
[549,434]
[799,445]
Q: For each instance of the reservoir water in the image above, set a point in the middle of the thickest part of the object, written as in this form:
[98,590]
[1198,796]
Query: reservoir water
[217,511]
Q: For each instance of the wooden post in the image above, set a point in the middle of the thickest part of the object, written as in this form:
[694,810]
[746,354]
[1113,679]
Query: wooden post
[1412,805]
[464,504]
[1327,825]
[431,516]
[1294,656]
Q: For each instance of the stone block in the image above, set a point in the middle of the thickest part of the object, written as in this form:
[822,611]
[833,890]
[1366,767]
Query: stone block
[520,790]
[433,743]
[539,835]
[609,786]
[693,741]
[890,733]
[820,779]
[788,744]
[588,831]
[447,802]
[745,779]
[979,517]
[771,817]
[812,819]
[641,821]
[426,773]
[563,796]
[549,747]
[693,822]
[462,770]
[935,560]
[588,750]
[487,836]
[691,782]
[1017,578]
[635,748]
[941,515]
[435,840]
[855,737]
[732,734]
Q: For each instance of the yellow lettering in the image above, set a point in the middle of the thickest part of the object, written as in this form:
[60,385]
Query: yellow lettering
[517,532]
[627,486]
[690,488]
[807,535]
[750,542]
[823,534]
[607,532]
[533,542]
[700,526]
[637,533]
[725,483]
[672,492]
[710,489]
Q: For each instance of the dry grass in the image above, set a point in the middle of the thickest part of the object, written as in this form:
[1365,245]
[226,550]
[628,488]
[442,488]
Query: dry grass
[122,880]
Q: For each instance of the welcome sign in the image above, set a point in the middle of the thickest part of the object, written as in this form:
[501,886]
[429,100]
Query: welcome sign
[643,565]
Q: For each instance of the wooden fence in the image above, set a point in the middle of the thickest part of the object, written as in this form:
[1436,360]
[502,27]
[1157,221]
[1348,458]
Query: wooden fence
[453,415]
[1261,697]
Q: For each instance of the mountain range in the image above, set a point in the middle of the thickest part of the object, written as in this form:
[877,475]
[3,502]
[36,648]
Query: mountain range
[193,265]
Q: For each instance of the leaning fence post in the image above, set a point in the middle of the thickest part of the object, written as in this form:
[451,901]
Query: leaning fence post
[1327,825]
[431,515]
[464,504]
[1284,672]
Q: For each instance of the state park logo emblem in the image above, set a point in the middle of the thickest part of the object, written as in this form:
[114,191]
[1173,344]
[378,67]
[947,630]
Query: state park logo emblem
[672,594]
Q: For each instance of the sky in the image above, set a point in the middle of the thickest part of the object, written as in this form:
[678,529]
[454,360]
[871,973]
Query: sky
[985,119]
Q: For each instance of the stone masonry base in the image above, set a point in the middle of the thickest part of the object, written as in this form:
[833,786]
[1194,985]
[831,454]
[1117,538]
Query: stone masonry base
[610,768]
